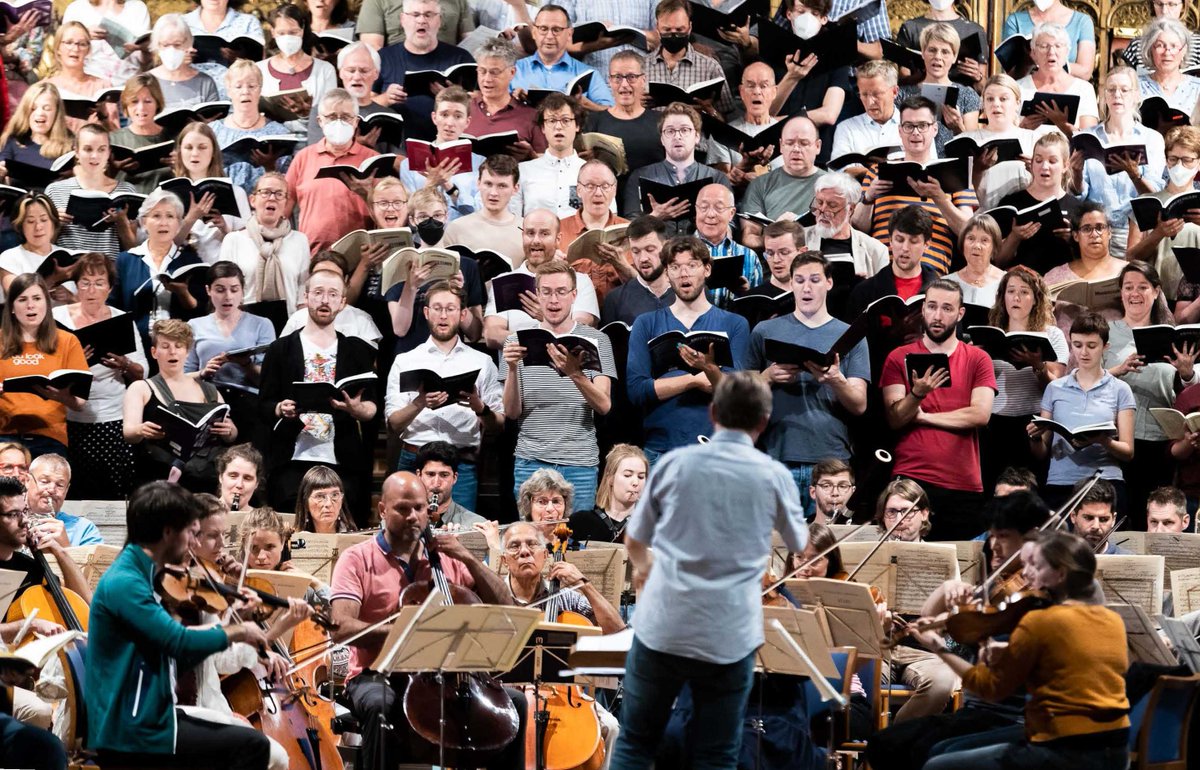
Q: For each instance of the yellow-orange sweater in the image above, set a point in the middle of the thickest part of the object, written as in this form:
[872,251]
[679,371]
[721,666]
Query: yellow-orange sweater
[1071,658]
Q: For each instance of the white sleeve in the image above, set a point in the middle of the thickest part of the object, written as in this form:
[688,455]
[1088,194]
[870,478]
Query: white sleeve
[395,399]
[586,301]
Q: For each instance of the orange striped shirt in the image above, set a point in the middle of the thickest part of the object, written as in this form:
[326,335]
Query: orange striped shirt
[940,250]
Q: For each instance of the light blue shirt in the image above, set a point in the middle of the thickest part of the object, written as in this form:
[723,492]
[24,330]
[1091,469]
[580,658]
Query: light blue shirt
[532,72]
[80,531]
[708,512]
[1183,98]
[1079,29]
[1068,403]
[1115,191]
[633,13]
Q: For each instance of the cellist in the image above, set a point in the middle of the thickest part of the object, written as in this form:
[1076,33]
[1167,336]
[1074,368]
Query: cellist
[135,650]
[907,746]
[15,534]
[367,581]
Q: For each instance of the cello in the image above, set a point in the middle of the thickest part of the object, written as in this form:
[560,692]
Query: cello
[54,602]
[468,718]
[567,729]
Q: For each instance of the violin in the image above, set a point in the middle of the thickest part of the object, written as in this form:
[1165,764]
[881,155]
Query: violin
[480,719]
[567,734]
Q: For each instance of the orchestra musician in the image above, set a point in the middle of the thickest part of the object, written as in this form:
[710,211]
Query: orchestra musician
[906,746]
[1071,658]
[135,650]
[239,469]
[367,581]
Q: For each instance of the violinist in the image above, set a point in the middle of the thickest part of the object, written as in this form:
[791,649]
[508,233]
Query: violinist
[909,745]
[1094,519]
[135,650]
[210,703]
[367,581]
[1070,657]
[238,470]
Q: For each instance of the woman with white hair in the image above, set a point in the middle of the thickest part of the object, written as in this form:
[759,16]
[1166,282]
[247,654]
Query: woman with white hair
[1049,50]
[1081,32]
[1116,186]
[93,154]
[1165,46]
[243,83]
[139,291]
[215,17]
[182,84]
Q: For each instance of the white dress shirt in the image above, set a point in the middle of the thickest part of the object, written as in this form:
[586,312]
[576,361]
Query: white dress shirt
[861,133]
[549,183]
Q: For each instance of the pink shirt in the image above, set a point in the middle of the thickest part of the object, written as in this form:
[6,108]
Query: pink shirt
[328,209]
[370,574]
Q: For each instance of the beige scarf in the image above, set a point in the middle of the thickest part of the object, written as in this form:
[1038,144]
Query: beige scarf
[271,285]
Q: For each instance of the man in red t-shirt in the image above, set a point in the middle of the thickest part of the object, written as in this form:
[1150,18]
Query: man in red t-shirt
[937,411]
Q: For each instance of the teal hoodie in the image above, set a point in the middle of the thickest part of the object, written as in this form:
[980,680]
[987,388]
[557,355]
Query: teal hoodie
[131,641]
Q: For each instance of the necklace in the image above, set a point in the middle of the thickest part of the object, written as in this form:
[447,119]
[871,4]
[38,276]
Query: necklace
[253,123]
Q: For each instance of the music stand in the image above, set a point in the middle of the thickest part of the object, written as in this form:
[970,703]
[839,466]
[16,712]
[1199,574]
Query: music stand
[458,638]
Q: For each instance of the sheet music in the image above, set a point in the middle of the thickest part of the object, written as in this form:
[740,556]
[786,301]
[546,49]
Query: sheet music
[779,552]
[1134,542]
[1187,647]
[970,560]
[777,658]
[920,569]
[878,572]
[605,567]
[1136,580]
[1145,645]
[314,554]
[107,515]
[849,613]
[1185,591]
[869,534]
[475,542]
[1181,551]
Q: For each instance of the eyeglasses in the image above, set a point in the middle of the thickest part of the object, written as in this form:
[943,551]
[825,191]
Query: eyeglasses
[1161,47]
[681,131]
[916,128]
[803,144]
[842,486]
[1050,47]
[1093,229]
[391,205]
[1115,90]
[15,514]
[560,122]
[1173,160]
[77,43]
[627,78]
[707,208]
[516,546]
[331,294]
[272,195]
[675,268]
[546,502]
[444,309]
[542,29]
[895,513]
[820,205]
[591,187]
[426,15]
[547,292]
[344,116]
[101,283]
[326,497]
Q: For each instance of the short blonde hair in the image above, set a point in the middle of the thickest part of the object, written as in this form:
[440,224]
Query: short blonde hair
[243,67]
[385,184]
[942,33]
[173,330]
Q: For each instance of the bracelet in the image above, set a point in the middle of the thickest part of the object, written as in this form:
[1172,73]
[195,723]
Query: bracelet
[484,412]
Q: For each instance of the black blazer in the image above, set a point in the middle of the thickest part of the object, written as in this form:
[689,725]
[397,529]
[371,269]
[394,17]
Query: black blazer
[282,365]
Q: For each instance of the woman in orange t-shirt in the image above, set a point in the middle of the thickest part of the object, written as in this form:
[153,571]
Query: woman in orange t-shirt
[31,343]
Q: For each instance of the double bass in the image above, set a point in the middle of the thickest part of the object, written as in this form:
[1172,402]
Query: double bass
[480,719]
[566,734]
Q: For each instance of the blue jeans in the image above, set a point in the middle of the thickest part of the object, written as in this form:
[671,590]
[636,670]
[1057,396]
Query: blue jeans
[653,681]
[1014,734]
[802,475]
[465,489]
[581,477]
[1031,756]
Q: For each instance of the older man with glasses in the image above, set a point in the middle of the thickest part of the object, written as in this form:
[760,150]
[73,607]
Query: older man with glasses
[496,110]
[781,192]
[358,68]
[835,197]
[552,68]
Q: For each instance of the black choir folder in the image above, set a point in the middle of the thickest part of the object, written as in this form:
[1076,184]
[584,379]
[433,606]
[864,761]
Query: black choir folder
[917,364]
[1082,433]
[507,289]
[780,352]
[663,192]
[537,339]
[1001,344]
[78,381]
[430,381]
[664,350]
[112,335]
[315,396]
[184,437]
[1154,342]
[954,174]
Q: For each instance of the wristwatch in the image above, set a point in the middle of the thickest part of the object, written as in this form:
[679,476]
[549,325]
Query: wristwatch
[484,412]
[452,191]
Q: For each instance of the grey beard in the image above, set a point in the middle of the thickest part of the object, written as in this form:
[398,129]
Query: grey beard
[825,231]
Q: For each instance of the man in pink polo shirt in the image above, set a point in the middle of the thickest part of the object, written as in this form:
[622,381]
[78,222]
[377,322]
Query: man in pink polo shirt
[367,582]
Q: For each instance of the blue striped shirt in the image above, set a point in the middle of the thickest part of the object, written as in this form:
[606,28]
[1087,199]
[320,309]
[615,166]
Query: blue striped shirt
[532,72]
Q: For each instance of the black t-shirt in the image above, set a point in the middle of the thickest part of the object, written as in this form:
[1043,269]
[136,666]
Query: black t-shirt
[639,135]
[1043,252]
[20,562]
[809,94]
[594,525]
[418,332]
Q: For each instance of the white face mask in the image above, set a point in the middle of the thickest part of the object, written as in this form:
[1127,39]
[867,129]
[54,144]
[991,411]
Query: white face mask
[289,45]
[805,26]
[172,58]
[1043,5]
[338,132]
[1180,175]
[940,5]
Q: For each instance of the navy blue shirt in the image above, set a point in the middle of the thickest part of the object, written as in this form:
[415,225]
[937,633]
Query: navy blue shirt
[418,331]
[395,60]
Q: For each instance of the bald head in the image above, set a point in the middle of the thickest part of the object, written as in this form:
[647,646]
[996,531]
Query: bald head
[403,508]
[399,481]
[758,91]
[714,212]
[539,237]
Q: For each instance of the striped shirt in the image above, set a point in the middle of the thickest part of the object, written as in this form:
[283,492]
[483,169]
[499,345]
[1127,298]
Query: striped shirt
[556,423]
[78,237]
[752,269]
[940,250]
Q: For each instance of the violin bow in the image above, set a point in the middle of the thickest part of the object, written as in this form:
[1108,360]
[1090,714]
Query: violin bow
[813,560]
[886,536]
[297,666]
[1104,540]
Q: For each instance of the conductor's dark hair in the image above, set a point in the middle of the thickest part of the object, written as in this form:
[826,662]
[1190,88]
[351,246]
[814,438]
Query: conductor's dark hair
[158,506]
[437,452]
[11,486]
[741,401]
[1021,511]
